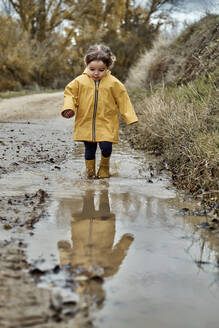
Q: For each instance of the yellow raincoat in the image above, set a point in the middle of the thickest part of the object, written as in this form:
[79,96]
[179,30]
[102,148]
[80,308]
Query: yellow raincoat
[96,107]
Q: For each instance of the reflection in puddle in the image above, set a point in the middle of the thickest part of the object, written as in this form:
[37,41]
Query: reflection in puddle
[133,258]
[93,233]
[130,254]
[92,253]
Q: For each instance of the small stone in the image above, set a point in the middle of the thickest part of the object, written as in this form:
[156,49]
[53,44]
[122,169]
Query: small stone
[184,211]
[56,301]
[203,225]
[7,227]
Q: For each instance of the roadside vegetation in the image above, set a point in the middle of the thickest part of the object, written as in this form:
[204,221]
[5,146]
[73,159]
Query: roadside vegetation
[43,42]
[175,91]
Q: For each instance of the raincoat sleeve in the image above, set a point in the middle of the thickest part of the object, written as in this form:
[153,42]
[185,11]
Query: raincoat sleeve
[119,252]
[124,104]
[71,96]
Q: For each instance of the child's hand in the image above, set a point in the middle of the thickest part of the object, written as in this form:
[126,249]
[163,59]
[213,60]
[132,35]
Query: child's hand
[68,113]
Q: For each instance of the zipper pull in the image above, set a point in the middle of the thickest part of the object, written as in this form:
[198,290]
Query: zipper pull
[97,83]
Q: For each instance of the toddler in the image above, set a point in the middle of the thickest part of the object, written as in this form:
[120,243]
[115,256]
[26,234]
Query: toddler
[95,98]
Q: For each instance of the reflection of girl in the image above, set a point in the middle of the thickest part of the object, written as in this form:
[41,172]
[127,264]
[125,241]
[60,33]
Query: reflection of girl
[94,98]
[93,234]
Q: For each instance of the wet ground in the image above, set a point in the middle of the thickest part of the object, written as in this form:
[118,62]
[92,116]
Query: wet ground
[116,252]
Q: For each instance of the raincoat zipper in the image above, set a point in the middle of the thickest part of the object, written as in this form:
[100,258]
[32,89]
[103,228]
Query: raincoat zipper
[97,83]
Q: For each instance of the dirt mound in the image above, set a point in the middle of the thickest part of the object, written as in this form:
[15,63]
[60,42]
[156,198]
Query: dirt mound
[193,53]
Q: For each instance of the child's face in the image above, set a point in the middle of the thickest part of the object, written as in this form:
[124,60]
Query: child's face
[96,69]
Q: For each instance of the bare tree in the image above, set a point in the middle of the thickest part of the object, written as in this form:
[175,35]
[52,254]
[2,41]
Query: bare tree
[6,7]
[39,17]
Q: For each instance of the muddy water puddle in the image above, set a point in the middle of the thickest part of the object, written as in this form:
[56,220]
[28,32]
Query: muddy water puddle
[136,261]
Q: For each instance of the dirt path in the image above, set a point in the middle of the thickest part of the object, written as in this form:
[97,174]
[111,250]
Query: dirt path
[94,253]
[28,142]
[38,106]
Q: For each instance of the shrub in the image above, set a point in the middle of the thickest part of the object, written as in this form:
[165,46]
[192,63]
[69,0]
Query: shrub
[26,62]
[16,62]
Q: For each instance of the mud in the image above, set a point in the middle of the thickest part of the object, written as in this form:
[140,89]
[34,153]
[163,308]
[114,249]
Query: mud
[95,253]
[27,146]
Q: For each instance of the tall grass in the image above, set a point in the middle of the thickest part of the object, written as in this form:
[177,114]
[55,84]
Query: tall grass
[174,89]
[181,125]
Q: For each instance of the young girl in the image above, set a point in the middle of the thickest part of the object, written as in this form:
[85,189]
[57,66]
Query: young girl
[94,98]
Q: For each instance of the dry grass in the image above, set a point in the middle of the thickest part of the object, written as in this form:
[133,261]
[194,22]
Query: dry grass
[179,132]
[174,90]
[139,74]
[175,124]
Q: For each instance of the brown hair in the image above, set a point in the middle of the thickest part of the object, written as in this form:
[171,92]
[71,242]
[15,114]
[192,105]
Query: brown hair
[100,52]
